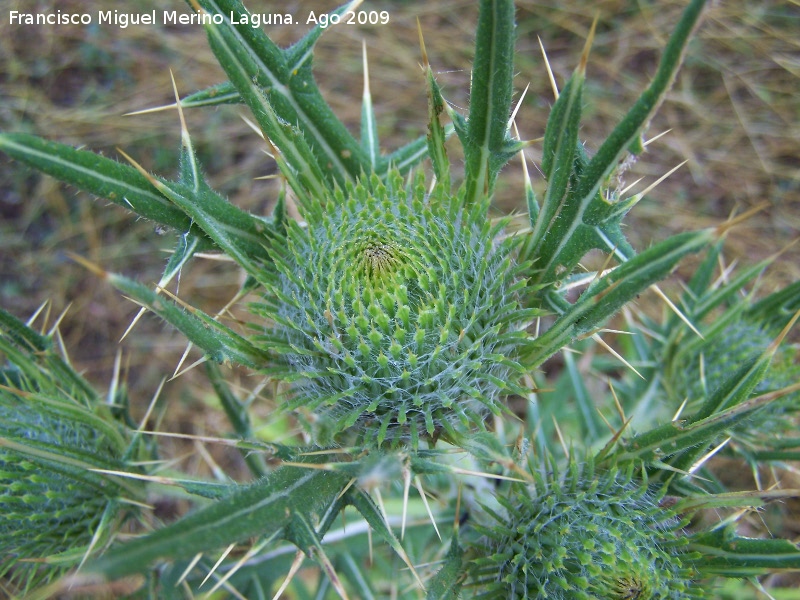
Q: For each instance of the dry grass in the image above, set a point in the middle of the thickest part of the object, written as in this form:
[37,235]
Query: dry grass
[734,113]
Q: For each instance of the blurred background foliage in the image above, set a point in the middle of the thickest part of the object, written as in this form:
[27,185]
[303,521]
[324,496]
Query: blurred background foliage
[734,113]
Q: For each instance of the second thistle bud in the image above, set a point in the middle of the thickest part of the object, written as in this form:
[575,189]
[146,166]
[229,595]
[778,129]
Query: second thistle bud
[55,434]
[586,536]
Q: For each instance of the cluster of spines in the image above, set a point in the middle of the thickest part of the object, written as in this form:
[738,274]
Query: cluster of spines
[586,536]
[397,311]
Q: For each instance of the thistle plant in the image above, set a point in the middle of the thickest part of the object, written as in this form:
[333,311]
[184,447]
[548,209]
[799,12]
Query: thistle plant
[400,326]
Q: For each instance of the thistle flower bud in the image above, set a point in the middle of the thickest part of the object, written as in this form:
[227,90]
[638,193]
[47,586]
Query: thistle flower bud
[587,537]
[700,372]
[53,507]
[396,313]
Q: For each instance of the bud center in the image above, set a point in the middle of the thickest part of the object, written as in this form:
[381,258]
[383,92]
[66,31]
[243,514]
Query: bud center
[378,257]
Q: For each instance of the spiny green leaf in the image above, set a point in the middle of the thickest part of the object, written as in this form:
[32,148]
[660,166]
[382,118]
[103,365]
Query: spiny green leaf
[21,334]
[217,340]
[671,438]
[609,293]
[222,93]
[240,234]
[369,125]
[703,276]
[753,499]
[687,348]
[205,489]
[251,74]
[734,391]
[184,251]
[103,177]
[436,132]
[725,293]
[259,509]
[738,387]
[629,129]
[411,154]
[403,159]
[558,151]
[725,553]
[774,455]
[777,309]
[484,446]
[53,406]
[584,218]
[35,356]
[486,139]
[299,55]
[285,101]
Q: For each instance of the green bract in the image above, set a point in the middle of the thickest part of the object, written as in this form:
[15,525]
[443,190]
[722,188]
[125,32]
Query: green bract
[586,536]
[396,311]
